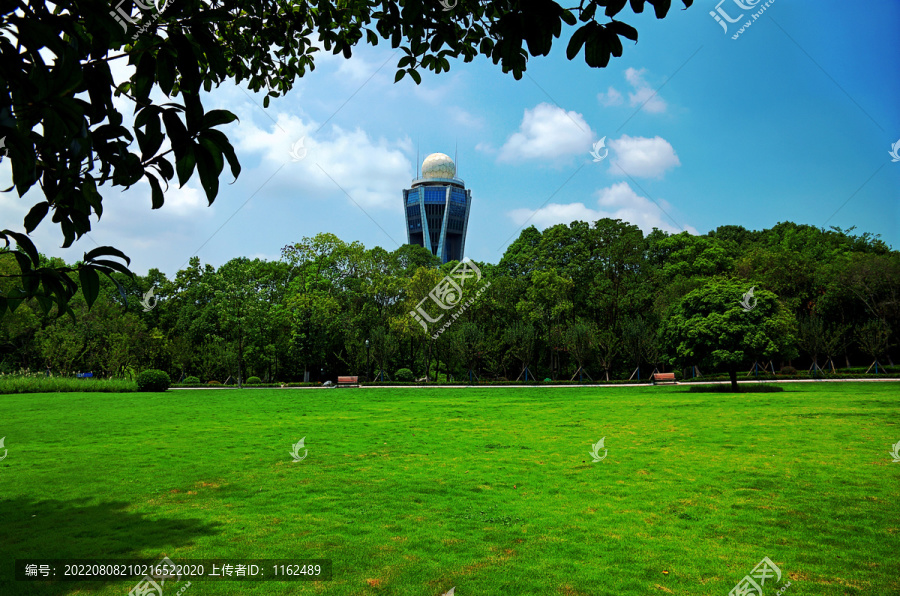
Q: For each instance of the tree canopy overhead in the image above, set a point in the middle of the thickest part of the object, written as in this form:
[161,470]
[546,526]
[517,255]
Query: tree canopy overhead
[65,136]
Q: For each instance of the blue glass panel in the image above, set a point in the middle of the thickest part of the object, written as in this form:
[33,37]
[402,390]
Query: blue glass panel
[435,195]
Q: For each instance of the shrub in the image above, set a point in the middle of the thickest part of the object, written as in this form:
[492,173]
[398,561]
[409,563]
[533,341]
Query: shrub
[214,383]
[191,381]
[253,381]
[788,370]
[43,384]
[742,388]
[153,380]
[404,375]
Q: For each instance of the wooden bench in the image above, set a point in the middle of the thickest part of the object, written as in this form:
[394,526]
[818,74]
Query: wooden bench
[663,378]
[348,381]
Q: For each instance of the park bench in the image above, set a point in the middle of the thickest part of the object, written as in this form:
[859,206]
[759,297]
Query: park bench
[663,378]
[348,381]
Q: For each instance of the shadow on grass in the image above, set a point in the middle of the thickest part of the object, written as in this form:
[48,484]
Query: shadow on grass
[742,388]
[77,529]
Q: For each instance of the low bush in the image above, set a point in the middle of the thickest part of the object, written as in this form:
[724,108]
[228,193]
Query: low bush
[153,380]
[788,370]
[742,388]
[214,383]
[404,375]
[43,384]
[253,381]
[191,381]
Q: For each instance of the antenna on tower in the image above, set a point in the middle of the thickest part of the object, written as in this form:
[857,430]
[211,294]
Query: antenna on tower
[418,163]
[456,157]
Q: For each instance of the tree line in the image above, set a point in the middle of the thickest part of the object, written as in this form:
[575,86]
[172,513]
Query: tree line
[600,301]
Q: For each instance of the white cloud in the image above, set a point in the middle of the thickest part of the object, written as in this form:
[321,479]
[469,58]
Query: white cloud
[642,157]
[548,133]
[618,201]
[357,69]
[554,213]
[486,148]
[611,98]
[643,94]
[346,166]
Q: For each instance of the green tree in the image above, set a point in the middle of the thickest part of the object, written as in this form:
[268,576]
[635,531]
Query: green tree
[520,339]
[609,345]
[874,338]
[811,337]
[579,340]
[710,327]
[240,306]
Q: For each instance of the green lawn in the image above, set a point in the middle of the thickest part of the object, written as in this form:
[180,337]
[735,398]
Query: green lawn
[414,491]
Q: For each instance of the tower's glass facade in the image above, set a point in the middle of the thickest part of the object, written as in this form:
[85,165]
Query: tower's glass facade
[437,209]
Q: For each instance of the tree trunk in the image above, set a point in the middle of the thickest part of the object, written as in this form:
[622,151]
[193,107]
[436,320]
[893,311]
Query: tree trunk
[732,374]
[240,360]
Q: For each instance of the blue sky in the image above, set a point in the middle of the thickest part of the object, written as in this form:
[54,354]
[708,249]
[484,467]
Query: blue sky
[793,120]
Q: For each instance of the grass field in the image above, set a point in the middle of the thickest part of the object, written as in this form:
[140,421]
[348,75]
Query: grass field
[415,491]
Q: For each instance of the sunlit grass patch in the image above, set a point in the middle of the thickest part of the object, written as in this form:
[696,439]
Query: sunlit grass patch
[414,491]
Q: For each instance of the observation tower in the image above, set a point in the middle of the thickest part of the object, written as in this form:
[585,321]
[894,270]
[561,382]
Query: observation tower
[437,209]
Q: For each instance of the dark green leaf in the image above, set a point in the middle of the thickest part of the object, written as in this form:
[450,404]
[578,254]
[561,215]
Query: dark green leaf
[34,217]
[101,251]
[576,41]
[185,165]
[26,245]
[209,177]
[613,7]
[156,194]
[661,7]
[90,284]
[623,29]
[217,117]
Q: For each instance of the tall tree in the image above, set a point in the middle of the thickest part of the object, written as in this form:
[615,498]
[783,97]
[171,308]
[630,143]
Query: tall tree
[239,306]
[710,327]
